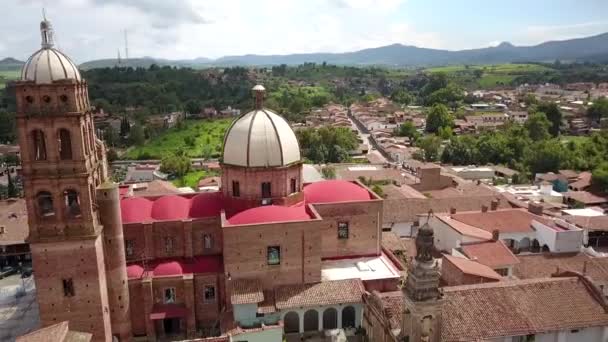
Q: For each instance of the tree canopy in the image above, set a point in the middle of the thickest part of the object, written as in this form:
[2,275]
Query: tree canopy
[438,116]
[326,144]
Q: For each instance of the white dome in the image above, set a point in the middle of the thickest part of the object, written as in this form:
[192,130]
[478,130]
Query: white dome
[48,65]
[260,138]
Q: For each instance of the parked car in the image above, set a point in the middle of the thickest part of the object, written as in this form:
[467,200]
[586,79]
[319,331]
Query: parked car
[7,271]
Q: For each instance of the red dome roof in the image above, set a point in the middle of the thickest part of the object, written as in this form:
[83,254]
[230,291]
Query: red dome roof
[135,271]
[135,209]
[335,191]
[171,208]
[206,205]
[169,268]
[270,213]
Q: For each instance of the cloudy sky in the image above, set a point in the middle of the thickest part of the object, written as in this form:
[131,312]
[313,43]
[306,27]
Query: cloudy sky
[183,29]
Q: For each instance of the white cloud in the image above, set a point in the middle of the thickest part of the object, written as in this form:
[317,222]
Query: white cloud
[535,34]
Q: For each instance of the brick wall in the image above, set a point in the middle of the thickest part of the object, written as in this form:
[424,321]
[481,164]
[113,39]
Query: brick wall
[364,222]
[82,262]
[245,252]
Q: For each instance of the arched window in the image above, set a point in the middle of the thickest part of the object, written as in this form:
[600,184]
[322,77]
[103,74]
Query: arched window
[72,203]
[45,204]
[65,144]
[39,144]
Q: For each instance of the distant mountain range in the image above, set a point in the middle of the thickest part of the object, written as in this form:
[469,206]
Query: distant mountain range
[594,48]
[10,64]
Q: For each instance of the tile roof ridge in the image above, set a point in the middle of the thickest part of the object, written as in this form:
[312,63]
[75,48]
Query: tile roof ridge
[506,283]
[589,284]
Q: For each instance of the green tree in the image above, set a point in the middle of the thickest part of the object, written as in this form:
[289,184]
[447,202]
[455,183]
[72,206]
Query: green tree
[599,109]
[438,116]
[136,135]
[193,107]
[451,96]
[429,145]
[545,156]
[436,81]
[461,150]
[328,172]
[407,129]
[538,126]
[110,136]
[599,176]
[176,164]
[554,115]
[401,96]
[445,133]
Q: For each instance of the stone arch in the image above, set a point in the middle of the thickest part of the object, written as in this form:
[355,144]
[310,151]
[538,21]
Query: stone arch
[546,249]
[71,202]
[65,144]
[44,201]
[348,317]
[330,318]
[524,244]
[291,322]
[311,320]
[535,246]
[39,144]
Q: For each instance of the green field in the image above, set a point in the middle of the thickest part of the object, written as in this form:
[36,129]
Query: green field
[8,75]
[207,135]
[491,75]
[191,179]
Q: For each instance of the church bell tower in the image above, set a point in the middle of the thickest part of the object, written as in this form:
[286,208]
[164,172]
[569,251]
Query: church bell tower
[65,173]
[423,299]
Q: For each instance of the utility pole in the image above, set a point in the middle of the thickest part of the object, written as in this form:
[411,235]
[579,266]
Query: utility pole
[126,46]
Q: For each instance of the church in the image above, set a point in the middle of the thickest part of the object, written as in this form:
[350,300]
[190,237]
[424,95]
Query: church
[265,256]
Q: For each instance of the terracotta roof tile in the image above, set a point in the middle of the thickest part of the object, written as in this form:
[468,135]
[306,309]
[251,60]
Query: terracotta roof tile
[324,293]
[586,197]
[595,223]
[464,228]
[393,306]
[506,221]
[544,265]
[470,267]
[246,291]
[515,308]
[268,305]
[493,254]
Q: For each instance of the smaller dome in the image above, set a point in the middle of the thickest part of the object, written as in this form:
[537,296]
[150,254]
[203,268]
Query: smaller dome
[206,205]
[135,271]
[168,268]
[135,210]
[332,191]
[260,138]
[170,208]
[268,214]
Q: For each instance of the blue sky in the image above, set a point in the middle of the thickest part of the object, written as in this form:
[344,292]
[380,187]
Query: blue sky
[90,29]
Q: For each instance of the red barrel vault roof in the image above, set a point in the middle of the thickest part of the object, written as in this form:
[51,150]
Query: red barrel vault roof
[332,191]
[270,213]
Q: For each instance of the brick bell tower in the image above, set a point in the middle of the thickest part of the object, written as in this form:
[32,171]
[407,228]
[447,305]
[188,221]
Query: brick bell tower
[73,210]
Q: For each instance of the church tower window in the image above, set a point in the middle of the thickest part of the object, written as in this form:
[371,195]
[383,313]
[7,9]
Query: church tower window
[236,191]
[65,144]
[39,145]
[293,184]
[68,287]
[273,255]
[45,204]
[266,190]
[72,203]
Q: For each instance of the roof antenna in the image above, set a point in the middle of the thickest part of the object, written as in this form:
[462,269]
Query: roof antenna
[43,13]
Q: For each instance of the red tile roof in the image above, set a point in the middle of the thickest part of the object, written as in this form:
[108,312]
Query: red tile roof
[332,191]
[470,267]
[245,291]
[505,221]
[544,265]
[592,223]
[177,267]
[493,254]
[516,308]
[324,293]
[586,197]
[171,207]
[270,213]
[464,228]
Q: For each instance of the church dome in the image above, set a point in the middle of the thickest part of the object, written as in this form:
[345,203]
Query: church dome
[49,64]
[260,138]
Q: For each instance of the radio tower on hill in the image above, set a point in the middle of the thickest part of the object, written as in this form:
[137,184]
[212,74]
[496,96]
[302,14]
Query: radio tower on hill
[126,46]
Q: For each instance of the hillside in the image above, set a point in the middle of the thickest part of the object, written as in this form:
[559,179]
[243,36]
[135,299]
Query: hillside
[593,48]
[10,64]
